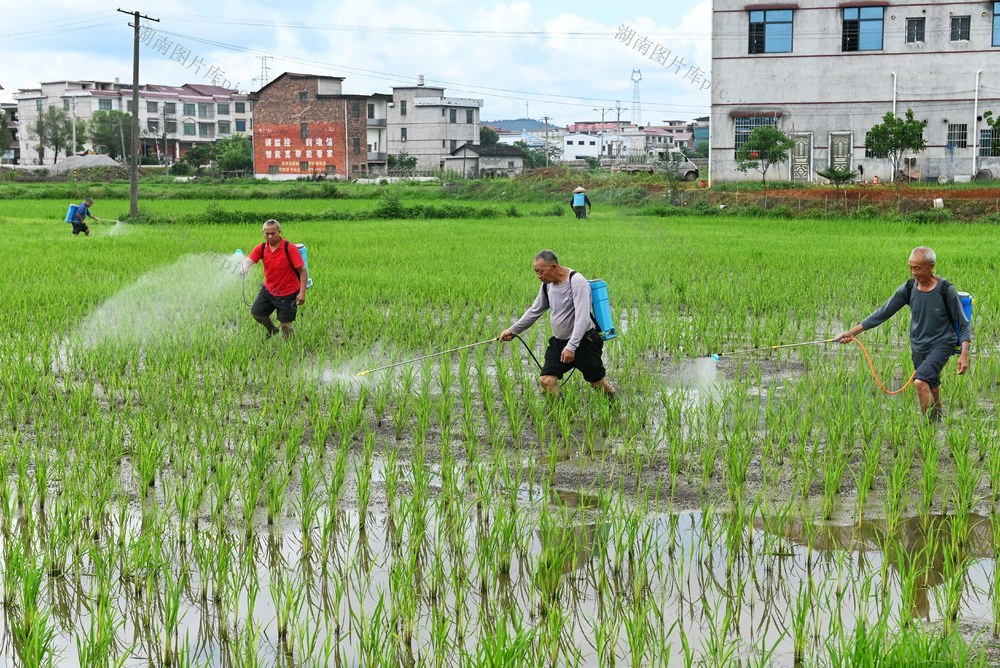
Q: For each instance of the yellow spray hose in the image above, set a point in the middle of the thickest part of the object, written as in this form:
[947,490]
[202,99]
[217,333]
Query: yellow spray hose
[871,366]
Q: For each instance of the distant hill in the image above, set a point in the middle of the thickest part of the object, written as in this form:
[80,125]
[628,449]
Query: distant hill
[519,124]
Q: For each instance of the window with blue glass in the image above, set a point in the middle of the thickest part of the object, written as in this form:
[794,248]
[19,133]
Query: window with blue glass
[996,24]
[863,28]
[770,31]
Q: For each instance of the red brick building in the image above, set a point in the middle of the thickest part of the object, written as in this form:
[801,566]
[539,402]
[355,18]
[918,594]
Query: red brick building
[303,125]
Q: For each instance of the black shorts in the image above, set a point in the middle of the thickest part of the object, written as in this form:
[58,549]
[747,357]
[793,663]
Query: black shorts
[266,304]
[80,227]
[587,360]
[930,364]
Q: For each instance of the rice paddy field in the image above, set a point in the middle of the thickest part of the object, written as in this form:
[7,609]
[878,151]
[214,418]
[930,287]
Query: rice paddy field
[178,490]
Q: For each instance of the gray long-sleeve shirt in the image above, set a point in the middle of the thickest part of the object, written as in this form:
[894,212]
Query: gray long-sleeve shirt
[570,302]
[929,321]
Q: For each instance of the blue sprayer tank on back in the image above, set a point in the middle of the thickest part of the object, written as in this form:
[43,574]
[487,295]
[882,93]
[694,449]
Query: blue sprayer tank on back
[966,300]
[305,260]
[602,308]
[71,212]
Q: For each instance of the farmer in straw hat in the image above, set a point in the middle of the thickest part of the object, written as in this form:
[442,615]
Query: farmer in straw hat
[580,202]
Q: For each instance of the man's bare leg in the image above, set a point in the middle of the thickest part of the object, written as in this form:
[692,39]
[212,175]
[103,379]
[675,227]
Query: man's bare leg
[605,386]
[551,386]
[267,323]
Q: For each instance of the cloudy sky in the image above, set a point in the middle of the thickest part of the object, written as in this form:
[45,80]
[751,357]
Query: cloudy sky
[545,58]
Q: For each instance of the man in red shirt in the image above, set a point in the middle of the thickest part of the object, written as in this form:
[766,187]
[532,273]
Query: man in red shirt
[285,278]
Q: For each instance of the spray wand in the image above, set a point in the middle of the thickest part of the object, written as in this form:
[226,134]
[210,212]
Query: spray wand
[717,356]
[424,357]
[868,358]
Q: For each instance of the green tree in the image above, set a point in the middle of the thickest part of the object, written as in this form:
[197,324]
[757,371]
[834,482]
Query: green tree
[670,168]
[766,146]
[36,130]
[699,150]
[838,176]
[893,137]
[6,137]
[994,124]
[202,153]
[56,131]
[112,132]
[538,157]
[488,136]
[401,162]
[234,154]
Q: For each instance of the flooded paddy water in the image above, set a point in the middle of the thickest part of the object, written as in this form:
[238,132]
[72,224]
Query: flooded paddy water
[181,491]
[581,546]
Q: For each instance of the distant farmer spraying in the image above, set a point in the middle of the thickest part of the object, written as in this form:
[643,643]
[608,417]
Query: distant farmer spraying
[285,280]
[575,342]
[580,202]
[80,217]
[937,324]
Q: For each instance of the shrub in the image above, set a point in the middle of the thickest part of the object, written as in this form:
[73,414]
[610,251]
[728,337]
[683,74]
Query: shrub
[932,216]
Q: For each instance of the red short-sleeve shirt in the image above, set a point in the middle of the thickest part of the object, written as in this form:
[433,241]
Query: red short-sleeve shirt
[280,278]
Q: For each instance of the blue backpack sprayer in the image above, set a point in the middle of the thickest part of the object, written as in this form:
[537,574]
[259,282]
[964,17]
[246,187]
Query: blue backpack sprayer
[600,315]
[71,213]
[303,251]
[964,298]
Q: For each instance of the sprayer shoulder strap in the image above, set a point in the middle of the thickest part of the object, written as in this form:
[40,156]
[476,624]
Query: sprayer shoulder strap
[284,243]
[945,288]
[572,273]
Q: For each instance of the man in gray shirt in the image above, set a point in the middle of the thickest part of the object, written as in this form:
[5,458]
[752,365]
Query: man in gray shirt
[575,343]
[932,330]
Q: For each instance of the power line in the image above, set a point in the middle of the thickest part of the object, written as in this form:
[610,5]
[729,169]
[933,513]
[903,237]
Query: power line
[506,93]
[356,28]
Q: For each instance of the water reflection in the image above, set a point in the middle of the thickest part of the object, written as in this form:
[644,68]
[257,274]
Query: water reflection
[923,550]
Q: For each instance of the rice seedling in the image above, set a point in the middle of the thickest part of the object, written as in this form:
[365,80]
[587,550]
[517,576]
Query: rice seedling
[419,516]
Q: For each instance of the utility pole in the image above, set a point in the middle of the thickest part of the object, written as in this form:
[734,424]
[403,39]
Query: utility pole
[134,171]
[72,107]
[618,127]
[546,119]
[600,132]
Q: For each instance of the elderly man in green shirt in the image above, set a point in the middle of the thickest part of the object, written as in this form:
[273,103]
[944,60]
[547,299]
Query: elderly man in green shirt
[936,311]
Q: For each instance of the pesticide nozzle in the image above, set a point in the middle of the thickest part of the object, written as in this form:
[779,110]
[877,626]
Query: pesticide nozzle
[361,374]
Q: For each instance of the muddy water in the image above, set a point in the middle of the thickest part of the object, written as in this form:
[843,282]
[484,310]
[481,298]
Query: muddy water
[706,577]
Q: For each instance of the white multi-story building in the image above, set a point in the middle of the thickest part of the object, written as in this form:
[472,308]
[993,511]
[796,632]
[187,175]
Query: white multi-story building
[171,118]
[577,146]
[826,72]
[425,124]
[378,131]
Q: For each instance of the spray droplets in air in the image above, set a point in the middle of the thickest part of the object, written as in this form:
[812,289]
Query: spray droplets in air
[170,300]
